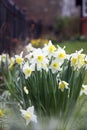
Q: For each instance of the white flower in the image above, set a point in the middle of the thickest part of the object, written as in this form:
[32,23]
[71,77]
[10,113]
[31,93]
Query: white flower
[83,90]
[4,58]
[49,49]
[12,61]
[27,70]
[30,56]
[77,60]
[26,90]
[29,47]
[55,66]
[29,115]
[60,54]
[19,59]
[39,59]
[74,62]
[38,56]
[63,85]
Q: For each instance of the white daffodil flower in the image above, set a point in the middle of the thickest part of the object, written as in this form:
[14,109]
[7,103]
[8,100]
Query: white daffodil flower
[19,59]
[5,57]
[63,85]
[60,54]
[38,56]
[29,56]
[1,113]
[55,66]
[39,60]
[12,61]
[77,60]
[83,90]
[49,49]
[27,70]
[30,48]
[29,115]
[26,90]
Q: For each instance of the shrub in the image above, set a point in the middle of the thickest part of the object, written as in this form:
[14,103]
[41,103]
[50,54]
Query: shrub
[67,27]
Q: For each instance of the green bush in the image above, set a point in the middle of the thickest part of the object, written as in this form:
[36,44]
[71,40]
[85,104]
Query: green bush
[67,27]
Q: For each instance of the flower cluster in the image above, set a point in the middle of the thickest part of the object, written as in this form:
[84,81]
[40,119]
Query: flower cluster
[45,78]
[46,58]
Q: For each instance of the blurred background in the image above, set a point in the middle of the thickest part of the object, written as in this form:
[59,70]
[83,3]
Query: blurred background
[57,20]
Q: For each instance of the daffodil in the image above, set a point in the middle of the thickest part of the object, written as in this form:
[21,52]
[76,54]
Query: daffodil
[1,113]
[26,90]
[49,49]
[81,60]
[55,66]
[19,59]
[74,62]
[29,56]
[29,47]
[12,61]
[77,59]
[83,90]
[27,70]
[29,115]
[5,58]
[63,85]
[60,54]
[38,56]
[39,59]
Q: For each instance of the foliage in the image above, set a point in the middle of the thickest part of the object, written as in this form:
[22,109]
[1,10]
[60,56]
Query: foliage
[76,121]
[63,30]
